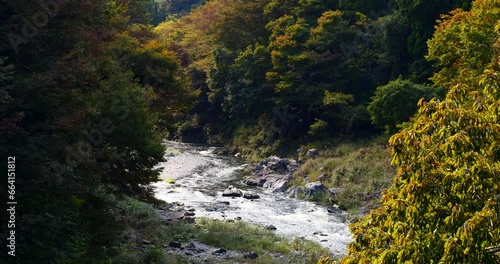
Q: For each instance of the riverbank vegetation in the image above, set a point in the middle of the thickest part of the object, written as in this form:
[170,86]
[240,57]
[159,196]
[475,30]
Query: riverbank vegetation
[357,171]
[143,224]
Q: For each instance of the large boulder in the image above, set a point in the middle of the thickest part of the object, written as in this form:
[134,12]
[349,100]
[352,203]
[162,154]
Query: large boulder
[276,165]
[273,173]
[314,188]
[277,182]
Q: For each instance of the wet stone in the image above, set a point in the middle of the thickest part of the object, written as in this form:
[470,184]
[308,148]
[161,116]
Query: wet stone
[219,251]
[333,210]
[271,227]
[255,182]
[251,196]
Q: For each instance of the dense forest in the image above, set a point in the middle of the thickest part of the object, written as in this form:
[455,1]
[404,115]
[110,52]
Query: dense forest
[90,88]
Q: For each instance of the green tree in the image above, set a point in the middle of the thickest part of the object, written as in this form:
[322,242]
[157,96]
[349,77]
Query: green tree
[444,204]
[421,17]
[242,24]
[81,123]
[310,60]
[396,102]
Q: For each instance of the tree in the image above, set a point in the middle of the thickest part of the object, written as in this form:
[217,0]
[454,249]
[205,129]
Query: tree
[242,24]
[396,102]
[444,204]
[83,125]
[421,17]
[333,56]
[462,46]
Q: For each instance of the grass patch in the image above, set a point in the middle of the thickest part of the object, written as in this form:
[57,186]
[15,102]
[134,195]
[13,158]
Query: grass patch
[143,223]
[361,169]
[246,237]
[260,139]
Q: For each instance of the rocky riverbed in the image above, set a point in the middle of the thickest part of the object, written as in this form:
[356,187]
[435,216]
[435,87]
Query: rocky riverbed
[207,184]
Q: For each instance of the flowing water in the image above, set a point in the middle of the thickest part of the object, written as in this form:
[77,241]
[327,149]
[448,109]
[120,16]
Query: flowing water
[201,176]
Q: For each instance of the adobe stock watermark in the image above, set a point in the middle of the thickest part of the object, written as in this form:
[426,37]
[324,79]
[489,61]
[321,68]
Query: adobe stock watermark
[284,116]
[31,26]
[152,78]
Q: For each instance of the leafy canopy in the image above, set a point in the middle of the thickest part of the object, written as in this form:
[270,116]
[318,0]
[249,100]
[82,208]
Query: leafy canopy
[444,205]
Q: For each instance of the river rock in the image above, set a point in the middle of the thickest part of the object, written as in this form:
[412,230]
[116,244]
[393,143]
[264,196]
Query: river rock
[271,227]
[232,192]
[295,191]
[314,188]
[273,173]
[273,165]
[251,196]
[255,182]
[218,207]
[219,251]
[251,255]
[277,182]
[333,210]
[312,153]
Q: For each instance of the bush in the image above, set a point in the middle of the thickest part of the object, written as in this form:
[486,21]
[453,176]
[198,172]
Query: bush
[395,102]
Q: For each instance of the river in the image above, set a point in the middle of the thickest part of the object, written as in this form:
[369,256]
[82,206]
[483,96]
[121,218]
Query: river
[201,176]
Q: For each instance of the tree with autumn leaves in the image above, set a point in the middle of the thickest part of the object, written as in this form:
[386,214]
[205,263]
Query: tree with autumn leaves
[444,204]
[83,104]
